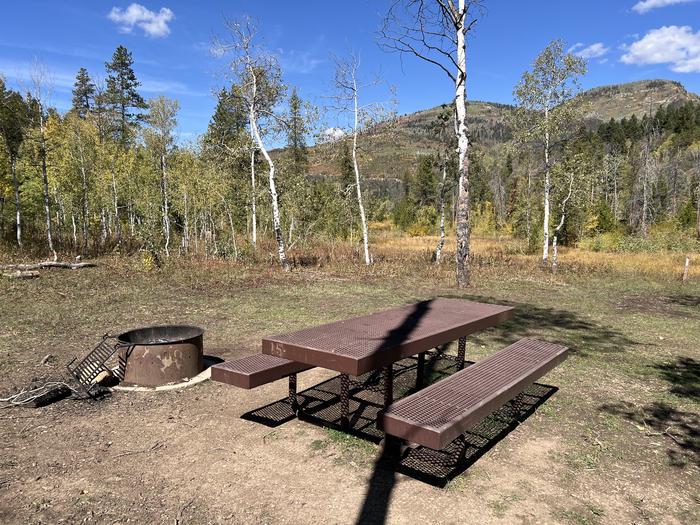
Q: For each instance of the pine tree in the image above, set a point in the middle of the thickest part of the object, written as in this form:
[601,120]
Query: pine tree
[296,132]
[228,121]
[83,93]
[122,95]
[13,123]
[347,173]
[423,188]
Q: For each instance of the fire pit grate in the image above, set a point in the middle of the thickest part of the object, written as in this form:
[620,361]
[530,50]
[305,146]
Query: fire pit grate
[94,363]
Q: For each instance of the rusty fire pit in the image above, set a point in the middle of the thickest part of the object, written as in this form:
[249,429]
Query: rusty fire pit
[159,355]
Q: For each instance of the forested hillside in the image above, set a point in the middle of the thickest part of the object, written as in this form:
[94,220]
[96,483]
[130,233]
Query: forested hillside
[635,156]
[109,174]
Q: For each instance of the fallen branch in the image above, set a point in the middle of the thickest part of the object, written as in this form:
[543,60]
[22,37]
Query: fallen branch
[47,264]
[19,274]
[31,394]
[667,433]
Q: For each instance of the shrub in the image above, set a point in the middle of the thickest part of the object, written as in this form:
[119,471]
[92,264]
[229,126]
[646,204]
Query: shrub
[425,221]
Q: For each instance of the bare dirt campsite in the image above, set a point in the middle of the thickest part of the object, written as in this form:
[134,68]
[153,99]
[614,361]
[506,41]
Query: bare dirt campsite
[370,263]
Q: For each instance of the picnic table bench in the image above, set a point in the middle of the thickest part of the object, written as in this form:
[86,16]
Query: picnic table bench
[433,416]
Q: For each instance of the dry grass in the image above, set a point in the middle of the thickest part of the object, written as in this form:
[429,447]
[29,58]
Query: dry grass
[511,252]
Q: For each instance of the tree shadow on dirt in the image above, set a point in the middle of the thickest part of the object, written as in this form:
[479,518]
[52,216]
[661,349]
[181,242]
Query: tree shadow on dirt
[684,376]
[583,337]
[684,300]
[680,428]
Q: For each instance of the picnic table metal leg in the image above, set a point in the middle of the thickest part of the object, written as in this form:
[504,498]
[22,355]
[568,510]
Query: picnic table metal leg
[461,351]
[388,373]
[420,370]
[344,401]
[293,393]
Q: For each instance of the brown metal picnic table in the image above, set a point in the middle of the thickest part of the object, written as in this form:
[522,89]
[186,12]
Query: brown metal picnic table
[376,341]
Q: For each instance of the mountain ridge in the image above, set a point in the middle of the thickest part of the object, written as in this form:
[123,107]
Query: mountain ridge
[392,150]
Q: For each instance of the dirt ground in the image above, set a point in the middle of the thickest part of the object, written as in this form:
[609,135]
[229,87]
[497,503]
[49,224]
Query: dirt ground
[618,442]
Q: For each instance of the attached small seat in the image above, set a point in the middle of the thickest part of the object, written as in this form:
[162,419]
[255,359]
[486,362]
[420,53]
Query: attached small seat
[435,416]
[255,370]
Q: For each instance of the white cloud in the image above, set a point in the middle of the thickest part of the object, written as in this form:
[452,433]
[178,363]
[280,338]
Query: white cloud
[674,45]
[593,51]
[153,24]
[331,135]
[644,6]
[169,88]
[303,62]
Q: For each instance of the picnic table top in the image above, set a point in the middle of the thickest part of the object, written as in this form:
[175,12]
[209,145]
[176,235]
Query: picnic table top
[364,344]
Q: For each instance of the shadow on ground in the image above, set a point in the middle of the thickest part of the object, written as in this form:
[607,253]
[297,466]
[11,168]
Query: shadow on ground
[554,324]
[684,376]
[680,427]
[684,300]
[320,405]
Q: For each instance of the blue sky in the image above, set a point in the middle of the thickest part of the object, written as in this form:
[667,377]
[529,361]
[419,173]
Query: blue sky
[625,40]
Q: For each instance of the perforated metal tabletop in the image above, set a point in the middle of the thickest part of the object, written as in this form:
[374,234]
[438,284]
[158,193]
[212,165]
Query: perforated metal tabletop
[363,344]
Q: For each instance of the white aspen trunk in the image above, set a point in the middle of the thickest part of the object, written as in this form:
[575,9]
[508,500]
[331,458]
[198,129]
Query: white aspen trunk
[213,234]
[686,268]
[253,197]
[291,231]
[547,185]
[132,220]
[186,233]
[356,168]
[45,182]
[528,207]
[559,226]
[233,230]
[18,207]
[273,189]
[83,180]
[463,200]
[115,203]
[441,204]
[196,236]
[75,231]
[61,216]
[205,236]
[165,208]
[605,184]
[103,222]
